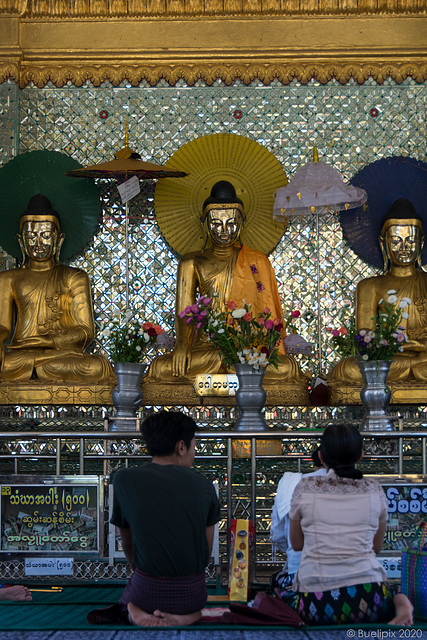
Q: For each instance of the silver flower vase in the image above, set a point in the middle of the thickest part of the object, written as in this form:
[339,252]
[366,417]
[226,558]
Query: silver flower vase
[250,398]
[127,395]
[375,395]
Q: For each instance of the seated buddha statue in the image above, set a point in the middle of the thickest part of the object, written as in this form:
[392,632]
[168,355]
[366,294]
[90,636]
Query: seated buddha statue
[46,317]
[225,271]
[401,240]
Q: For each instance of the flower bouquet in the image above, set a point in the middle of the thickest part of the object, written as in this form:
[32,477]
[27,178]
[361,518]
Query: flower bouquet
[382,344]
[238,334]
[128,337]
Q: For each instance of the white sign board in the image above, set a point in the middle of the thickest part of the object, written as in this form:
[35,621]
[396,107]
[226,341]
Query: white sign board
[129,189]
[49,566]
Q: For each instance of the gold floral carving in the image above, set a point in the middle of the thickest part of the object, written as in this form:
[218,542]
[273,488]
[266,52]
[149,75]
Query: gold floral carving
[246,73]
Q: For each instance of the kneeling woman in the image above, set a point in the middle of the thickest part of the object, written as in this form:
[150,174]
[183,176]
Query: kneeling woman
[338,521]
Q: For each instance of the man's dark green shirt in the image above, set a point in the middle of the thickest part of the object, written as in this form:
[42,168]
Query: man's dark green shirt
[167,508]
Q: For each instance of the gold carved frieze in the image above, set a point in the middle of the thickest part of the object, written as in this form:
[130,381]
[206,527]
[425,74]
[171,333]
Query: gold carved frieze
[282,46]
[284,73]
[40,9]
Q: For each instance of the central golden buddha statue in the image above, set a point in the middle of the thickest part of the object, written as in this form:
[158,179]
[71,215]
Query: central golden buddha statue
[225,271]
[401,240]
[46,317]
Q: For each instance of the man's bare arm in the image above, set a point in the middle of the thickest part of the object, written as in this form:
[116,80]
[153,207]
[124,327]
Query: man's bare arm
[210,536]
[127,544]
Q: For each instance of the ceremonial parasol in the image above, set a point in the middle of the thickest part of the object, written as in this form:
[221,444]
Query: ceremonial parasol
[126,164]
[252,169]
[315,190]
[385,181]
[43,172]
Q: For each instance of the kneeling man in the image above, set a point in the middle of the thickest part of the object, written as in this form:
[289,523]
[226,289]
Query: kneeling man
[166,514]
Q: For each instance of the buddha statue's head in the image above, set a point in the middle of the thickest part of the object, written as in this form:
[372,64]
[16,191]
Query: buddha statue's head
[402,236]
[40,236]
[223,214]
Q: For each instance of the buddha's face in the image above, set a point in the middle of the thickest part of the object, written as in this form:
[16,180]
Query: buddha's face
[403,243]
[224,226]
[39,239]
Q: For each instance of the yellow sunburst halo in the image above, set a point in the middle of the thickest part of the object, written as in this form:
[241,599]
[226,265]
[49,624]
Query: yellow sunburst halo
[252,169]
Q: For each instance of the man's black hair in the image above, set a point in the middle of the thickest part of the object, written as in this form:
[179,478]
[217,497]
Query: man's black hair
[161,431]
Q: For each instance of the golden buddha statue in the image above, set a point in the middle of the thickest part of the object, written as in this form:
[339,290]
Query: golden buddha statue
[47,309]
[225,271]
[401,240]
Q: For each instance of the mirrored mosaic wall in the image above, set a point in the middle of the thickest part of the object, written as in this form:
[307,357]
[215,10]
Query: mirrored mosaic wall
[351,125]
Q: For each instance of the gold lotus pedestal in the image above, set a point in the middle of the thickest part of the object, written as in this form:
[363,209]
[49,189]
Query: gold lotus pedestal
[170,394]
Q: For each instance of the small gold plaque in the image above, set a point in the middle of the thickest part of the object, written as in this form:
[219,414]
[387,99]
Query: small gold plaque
[218,384]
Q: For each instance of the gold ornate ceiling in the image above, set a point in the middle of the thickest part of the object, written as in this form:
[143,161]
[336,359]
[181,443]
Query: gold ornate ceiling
[113,40]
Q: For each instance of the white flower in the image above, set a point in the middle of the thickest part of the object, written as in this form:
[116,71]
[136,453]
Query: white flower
[362,332]
[392,299]
[146,337]
[400,348]
[408,300]
[220,330]
[381,301]
[106,333]
[365,357]
[138,348]
[391,291]
[403,304]
[238,313]
[405,315]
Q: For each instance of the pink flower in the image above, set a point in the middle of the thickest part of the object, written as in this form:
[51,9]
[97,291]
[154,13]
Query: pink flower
[295,314]
[198,325]
[260,321]
[232,305]
[268,324]
[367,339]
[182,314]
[207,301]
[343,331]
[400,337]
[195,308]
[247,317]
[266,310]
[187,320]
[276,321]
[335,333]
